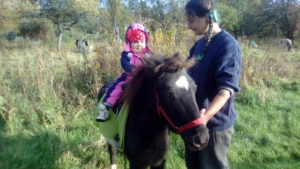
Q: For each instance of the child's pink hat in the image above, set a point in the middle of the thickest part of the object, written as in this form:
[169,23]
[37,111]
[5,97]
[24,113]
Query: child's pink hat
[136,28]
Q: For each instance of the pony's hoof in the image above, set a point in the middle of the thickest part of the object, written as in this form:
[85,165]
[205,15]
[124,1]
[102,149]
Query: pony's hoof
[114,166]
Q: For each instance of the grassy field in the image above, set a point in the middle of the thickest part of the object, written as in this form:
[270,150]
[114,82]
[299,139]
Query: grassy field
[48,106]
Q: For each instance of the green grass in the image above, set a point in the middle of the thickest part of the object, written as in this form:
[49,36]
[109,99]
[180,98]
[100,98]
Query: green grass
[48,106]
[267,128]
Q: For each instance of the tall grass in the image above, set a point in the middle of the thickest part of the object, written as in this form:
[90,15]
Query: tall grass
[48,105]
[265,64]
[266,131]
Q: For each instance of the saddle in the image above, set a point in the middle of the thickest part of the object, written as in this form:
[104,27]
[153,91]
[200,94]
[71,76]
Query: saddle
[113,129]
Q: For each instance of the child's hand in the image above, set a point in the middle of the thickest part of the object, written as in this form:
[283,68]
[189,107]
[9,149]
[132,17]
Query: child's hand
[147,55]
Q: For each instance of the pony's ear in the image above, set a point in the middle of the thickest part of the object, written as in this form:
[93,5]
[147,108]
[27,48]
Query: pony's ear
[158,68]
[177,55]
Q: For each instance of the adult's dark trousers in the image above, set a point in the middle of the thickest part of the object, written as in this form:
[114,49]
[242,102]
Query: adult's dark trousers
[214,156]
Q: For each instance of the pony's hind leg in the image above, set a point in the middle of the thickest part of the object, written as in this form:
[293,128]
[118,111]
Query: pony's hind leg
[160,166]
[112,156]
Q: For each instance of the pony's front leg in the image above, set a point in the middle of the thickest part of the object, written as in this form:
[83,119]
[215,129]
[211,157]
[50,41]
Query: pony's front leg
[160,166]
[134,165]
[112,156]
[114,166]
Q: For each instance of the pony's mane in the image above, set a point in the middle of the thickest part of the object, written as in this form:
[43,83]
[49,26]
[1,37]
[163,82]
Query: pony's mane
[144,77]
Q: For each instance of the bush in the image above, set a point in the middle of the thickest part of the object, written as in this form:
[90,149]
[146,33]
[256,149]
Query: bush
[34,29]
[11,35]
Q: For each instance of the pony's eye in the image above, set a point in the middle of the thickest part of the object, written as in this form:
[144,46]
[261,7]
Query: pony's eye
[170,95]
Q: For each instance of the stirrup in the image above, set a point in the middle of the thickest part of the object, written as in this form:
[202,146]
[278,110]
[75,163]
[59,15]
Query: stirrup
[103,117]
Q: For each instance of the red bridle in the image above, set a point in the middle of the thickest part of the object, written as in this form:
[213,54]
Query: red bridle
[180,129]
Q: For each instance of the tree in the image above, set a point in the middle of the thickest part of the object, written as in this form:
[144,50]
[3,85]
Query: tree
[229,20]
[12,11]
[234,13]
[114,8]
[274,18]
[134,7]
[261,17]
[64,14]
[287,14]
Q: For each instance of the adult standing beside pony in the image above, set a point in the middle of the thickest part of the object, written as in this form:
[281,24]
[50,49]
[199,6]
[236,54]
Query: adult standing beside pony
[217,75]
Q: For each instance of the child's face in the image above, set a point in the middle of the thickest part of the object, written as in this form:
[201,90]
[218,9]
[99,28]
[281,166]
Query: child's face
[138,46]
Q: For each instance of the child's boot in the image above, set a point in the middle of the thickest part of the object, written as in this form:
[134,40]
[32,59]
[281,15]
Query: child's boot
[103,113]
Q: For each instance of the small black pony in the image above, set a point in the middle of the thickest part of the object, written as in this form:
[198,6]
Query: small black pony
[161,96]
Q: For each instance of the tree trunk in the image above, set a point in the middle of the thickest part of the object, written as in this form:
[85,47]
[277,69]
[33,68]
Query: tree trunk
[117,31]
[59,38]
[59,41]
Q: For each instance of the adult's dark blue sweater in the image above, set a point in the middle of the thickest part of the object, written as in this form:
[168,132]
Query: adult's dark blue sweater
[220,68]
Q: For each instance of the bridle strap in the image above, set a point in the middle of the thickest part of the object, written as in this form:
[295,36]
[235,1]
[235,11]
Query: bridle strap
[191,124]
[179,129]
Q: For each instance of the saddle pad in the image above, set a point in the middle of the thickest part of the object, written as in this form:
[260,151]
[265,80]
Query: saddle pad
[115,125]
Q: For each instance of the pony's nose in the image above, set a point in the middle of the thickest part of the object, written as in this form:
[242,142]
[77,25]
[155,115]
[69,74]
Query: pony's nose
[199,142]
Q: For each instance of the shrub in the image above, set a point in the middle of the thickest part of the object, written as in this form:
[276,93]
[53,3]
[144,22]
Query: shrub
[11,35]
[34,29]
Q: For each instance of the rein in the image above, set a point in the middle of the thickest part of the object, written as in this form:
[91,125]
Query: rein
[178,129]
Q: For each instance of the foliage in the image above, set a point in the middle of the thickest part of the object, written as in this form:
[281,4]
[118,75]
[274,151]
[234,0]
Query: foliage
[64,14]
[256,18]
[11,35]
[158,14]
[34,29]
[12,11]
[229,19]
[288,15]
[89,24]
[260,17]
